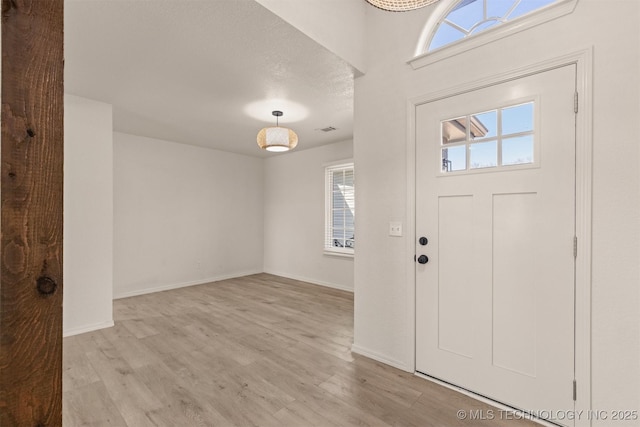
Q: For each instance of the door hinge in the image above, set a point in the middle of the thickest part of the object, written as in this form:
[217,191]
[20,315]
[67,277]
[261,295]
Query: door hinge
[575,246]
[575,391]
[575,102]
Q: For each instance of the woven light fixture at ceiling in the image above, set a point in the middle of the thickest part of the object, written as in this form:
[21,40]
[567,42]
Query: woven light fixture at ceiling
[400,5]
[277,139]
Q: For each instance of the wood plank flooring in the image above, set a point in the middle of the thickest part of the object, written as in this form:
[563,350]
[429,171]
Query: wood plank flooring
[255,351]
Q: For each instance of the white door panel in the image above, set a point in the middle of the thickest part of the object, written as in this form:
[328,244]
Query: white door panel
[495,302]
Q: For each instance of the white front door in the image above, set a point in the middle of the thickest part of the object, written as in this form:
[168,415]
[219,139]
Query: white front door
[495,198]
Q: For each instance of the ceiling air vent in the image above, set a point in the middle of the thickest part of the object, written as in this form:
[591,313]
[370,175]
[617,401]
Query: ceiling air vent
[328,129]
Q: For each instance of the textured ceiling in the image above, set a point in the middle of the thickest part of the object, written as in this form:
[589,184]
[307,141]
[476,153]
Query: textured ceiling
[205,72]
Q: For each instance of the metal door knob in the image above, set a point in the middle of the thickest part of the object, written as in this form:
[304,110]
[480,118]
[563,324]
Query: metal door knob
[423,259]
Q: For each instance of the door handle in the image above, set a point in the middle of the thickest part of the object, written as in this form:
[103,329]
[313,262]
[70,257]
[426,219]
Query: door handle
[423,259]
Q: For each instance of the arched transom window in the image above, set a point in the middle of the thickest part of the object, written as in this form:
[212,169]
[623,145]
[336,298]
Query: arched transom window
[470,17]
[460,25]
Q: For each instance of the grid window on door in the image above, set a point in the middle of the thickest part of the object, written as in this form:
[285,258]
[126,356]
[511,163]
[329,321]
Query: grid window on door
[494,139]
[340,209]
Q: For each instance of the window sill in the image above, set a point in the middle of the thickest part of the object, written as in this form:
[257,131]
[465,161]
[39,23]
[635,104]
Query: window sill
[339,254]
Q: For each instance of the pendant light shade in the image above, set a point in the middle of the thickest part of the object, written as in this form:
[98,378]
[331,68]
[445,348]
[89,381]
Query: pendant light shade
[277,139]
[400,5]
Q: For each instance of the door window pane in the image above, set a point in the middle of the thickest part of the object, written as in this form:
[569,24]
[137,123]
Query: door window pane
[517,119]
[484,125]
[454,130]
[454,158]
[483,155]
[517,151]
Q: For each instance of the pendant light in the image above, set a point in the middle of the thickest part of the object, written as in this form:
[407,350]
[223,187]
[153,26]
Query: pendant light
[277,139]
[400,5]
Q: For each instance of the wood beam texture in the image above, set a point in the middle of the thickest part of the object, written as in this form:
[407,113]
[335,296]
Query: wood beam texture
[31,213]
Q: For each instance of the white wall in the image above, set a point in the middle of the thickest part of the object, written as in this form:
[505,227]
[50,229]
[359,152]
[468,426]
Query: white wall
[338,25]
[183,215]
[383,321]
[294,217]
[88,215]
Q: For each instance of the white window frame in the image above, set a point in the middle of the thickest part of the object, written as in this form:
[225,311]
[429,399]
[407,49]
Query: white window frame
[329,169]
[423,57]
[499,138]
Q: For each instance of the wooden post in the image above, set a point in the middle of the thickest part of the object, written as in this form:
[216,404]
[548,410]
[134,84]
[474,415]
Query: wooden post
[31,213]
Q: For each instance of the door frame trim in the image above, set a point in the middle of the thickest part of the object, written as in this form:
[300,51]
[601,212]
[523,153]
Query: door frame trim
[583,59]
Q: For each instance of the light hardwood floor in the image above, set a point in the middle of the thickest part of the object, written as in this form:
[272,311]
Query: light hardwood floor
[255,351]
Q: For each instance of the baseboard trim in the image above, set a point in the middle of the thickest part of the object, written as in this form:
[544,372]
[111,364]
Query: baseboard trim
[184,284]
[87,328]
[309,280]
[380,358]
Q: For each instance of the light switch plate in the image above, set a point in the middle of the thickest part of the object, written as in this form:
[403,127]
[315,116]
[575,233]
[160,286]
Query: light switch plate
[395,228]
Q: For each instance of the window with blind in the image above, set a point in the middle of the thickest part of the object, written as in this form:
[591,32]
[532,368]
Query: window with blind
[340,209]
